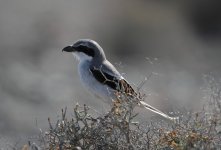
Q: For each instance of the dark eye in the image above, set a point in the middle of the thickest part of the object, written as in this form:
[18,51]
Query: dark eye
[81,48]
[86,50]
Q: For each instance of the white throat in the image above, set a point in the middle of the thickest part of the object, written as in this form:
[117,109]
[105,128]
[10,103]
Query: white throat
[82,56]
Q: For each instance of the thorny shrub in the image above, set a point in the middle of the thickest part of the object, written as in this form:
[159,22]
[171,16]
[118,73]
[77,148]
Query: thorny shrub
[116,130]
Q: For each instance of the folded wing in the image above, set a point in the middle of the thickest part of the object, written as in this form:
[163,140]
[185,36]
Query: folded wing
[115,83]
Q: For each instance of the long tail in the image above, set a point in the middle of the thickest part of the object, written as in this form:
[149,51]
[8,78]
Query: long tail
[151,108]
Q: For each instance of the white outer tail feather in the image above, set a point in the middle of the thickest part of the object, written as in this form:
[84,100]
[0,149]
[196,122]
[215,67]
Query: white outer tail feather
[151,108]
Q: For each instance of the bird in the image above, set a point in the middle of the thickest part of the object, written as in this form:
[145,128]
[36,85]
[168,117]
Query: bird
[99,76]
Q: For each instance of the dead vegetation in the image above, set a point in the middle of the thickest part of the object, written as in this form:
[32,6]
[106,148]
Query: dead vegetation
[116,130]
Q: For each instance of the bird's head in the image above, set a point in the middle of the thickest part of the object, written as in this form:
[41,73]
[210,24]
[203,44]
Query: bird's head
[86,49]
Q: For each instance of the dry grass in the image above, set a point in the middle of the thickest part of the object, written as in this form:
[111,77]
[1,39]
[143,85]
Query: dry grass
[117,130]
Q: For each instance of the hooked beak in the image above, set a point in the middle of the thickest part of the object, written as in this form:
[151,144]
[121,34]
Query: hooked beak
[68,49]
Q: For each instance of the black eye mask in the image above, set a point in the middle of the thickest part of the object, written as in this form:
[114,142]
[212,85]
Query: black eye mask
[85,49]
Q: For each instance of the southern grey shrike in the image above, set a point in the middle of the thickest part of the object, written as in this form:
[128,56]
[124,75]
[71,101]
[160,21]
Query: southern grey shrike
[99,76]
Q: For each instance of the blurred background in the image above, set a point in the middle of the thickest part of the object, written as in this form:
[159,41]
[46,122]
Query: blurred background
[174,42]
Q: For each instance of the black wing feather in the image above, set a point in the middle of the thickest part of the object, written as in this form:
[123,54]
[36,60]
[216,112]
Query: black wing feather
[112,82]
[105,78]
